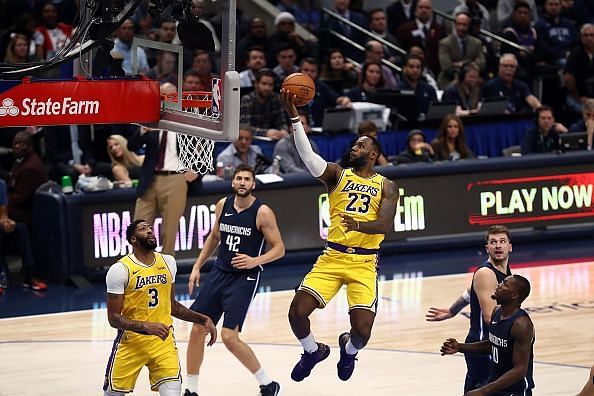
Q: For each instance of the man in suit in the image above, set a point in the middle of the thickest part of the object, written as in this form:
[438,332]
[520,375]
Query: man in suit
[341,7]
[423,32]
[161,189]
[458,48]
[399,13]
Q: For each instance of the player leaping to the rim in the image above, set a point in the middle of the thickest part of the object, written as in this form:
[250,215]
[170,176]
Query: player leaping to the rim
[362,209]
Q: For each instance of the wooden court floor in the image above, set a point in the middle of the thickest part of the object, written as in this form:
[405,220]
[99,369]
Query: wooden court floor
[65,354]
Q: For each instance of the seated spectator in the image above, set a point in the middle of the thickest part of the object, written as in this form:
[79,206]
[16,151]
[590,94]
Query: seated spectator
[374,52]
[544,136]
[557,34]
[412,72]
[14,237]
[427,75]
[256,37]
[164,69]
[125,165]
[465,92]
[342,8]
[479,15]
[202,64]
[51,35]
[520,31]
[25,176]
[417,149]
[506,86]
[458,48]
[123,46]
[424,32]
[586,123]
[290,160]
[339,74]
[325,97]
[307,13]
[378,24]
[365,128]
[285,34]
[450,143]
[18,50]
[372,79]
[256,61]
[242,151]
[262,108]
[578,72]
[505,9]
[285,57]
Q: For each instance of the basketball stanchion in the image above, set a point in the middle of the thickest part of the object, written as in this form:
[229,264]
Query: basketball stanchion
[195,152]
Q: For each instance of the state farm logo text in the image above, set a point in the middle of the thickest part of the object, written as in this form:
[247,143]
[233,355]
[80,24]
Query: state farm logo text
[64,106]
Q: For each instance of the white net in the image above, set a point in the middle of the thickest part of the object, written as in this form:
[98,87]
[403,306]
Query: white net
[195,152]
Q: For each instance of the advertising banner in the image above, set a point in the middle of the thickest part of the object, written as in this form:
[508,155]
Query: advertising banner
[45,102]
[430,206]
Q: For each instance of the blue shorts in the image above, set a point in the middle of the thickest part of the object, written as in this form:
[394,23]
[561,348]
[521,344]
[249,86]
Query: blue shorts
[228,293]
[478,370]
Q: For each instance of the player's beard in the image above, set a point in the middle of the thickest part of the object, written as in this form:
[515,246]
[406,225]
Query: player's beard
[146,244]
[358,162]
[244,193]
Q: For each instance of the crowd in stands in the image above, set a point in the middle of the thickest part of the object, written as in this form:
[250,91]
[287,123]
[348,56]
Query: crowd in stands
[439,60]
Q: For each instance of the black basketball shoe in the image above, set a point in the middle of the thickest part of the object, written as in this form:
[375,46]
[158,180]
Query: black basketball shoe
[188,393]
[346,364]
[272,389]
[308,360]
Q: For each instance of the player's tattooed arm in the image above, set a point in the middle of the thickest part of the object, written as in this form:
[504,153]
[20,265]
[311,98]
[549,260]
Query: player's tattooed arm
[115,303]
[387,211]
[179,311]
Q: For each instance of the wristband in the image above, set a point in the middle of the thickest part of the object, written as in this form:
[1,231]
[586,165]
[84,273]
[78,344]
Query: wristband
[466,296]
[295,120]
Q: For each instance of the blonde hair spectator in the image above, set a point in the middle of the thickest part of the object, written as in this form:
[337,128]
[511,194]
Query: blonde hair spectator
[17,50]
[123,161]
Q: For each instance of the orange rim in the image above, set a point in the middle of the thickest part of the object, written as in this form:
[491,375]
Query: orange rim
[188,99]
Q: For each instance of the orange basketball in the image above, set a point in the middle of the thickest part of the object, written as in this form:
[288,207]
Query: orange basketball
[302,86]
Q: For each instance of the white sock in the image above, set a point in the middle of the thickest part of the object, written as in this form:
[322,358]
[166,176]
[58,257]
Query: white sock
[350,348]
[261,377]
[192,382]
[309,343]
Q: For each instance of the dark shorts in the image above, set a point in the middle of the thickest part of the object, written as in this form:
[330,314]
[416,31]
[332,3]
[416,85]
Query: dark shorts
[478,369]
[228,293]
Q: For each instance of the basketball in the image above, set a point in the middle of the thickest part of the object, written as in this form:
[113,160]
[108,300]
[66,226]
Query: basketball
[302,86]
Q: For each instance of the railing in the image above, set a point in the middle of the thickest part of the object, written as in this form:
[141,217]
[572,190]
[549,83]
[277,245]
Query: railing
[366,32]
[485,32]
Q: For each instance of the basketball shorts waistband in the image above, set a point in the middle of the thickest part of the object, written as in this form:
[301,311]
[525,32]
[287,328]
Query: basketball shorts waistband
[350,250]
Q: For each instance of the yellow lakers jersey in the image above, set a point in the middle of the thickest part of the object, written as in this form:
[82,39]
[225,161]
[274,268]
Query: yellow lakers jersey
[147,296]
[359,198]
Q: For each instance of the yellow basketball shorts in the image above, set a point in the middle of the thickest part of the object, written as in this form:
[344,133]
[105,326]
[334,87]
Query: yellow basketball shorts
[334,269]
[131,352]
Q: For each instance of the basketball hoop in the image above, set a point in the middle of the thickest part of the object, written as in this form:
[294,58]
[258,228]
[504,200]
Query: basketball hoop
[195,152]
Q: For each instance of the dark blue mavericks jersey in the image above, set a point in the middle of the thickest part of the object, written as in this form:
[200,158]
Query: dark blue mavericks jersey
[239,234]
[479,329]
[502,350]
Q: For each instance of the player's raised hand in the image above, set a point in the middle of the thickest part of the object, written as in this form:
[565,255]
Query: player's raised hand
[449,347]
[155,328]
[243,261]
[288,101]
[438,314]
[349,223]
[212,330]
[194,279]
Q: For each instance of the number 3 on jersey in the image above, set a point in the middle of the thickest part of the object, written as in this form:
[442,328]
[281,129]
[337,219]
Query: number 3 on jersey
[358,203]
[154,295]
[233,243]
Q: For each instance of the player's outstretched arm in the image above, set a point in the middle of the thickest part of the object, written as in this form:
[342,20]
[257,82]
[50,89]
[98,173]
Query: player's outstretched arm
[181,312]
[385,219]
[439,314]
[211,243]
[523,332]
[326,172]
[115,302]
